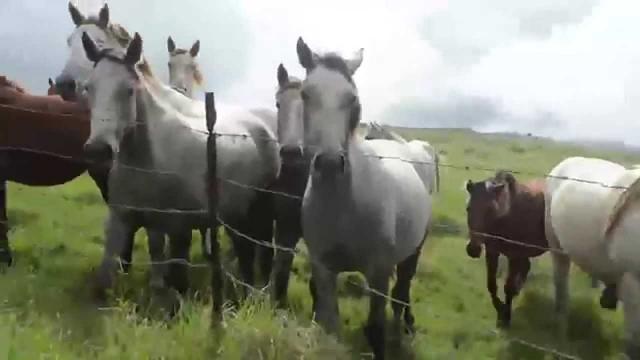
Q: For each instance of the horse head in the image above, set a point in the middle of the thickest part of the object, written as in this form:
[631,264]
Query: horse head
[489,201]
[331,107]
[184,70]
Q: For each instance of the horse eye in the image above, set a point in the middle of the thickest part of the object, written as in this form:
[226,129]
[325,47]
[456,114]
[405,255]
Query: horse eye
[130,91]
[278,105]
[304,96]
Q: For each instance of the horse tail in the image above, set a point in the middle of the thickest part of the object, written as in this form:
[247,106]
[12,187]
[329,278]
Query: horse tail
[622,204]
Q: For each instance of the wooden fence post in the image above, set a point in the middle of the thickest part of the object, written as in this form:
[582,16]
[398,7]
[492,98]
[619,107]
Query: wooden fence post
[217,284]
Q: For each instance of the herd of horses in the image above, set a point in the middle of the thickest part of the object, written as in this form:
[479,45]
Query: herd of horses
[361,203]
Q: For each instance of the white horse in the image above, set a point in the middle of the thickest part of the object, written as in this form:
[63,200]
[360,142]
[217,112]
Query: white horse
[577,216]
[425,157]
[359,212]
[184,70]
[132,120]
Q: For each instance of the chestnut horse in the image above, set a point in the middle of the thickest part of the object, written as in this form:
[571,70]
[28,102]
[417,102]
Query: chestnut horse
[501,207]
[41,144]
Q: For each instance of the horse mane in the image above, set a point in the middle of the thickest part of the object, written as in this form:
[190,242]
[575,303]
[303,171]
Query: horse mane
[293,83]
[621,205]
[116,31]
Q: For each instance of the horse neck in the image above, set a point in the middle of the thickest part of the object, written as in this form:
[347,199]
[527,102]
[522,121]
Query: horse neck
[138,147]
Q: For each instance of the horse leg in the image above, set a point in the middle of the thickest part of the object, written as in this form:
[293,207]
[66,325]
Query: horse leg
[263,217]
[178,270]
[205,243]
[511,289]
[326,303]
[116,233]
[126,255]
[158,258]
[5,251]
[523,272]
[406,270]
[561,267]
[609,297]
[287,236]
[629,287]
[491,258]
[375,328]
[245,253]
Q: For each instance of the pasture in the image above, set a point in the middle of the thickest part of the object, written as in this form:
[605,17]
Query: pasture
[46,309]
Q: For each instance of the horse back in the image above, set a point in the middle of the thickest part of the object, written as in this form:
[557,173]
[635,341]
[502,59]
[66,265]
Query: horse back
[525,222]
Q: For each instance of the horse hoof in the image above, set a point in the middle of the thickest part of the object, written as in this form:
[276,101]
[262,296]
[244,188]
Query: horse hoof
[608,301]
[6,258]
[503,323]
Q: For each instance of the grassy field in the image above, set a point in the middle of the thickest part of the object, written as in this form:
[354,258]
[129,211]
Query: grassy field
[46,309]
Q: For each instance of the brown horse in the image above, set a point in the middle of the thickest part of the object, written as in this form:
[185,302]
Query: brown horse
[502,208]
[41,144]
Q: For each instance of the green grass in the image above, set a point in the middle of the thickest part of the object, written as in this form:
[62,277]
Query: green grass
[46,309]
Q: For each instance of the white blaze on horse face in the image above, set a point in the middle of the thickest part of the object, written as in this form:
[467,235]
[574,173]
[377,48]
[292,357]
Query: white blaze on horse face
[111,90]
[182,68]
[328,104]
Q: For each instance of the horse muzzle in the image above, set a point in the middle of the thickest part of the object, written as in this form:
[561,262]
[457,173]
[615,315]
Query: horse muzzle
[97,152]
[474,250]
[291,155]
[66,88]
[335,163]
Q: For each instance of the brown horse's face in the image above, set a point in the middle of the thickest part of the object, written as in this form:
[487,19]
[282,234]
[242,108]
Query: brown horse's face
[488,201]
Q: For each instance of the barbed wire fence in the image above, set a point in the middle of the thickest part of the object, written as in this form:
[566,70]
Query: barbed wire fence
[228,228]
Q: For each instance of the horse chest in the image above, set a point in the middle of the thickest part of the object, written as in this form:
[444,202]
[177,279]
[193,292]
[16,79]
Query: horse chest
[150,194]
[342,234]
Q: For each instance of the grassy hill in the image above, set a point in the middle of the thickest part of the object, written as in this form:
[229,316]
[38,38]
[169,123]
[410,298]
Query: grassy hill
[46,309]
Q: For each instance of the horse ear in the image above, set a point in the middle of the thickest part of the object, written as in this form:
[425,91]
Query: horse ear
[103,17]
[171,46]
[354,63]
[77,18]
[469,186]
[305,56]
[195,49]
[90,48]
[134,51]
[283,76]
[51,82]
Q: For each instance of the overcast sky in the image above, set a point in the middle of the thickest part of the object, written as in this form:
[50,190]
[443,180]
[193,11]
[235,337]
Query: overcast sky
[565,68]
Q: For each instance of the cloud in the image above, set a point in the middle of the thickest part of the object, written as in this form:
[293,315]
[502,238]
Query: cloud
[33,34]
[563,68]
[465,30]
[460,111]
[585,74]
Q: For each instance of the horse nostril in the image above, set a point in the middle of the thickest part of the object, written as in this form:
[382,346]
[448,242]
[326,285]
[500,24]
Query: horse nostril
[66,88]
[474,250]
[290,153]
[97,152]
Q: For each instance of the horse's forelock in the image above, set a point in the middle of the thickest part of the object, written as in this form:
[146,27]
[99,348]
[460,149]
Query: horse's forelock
[335,62]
